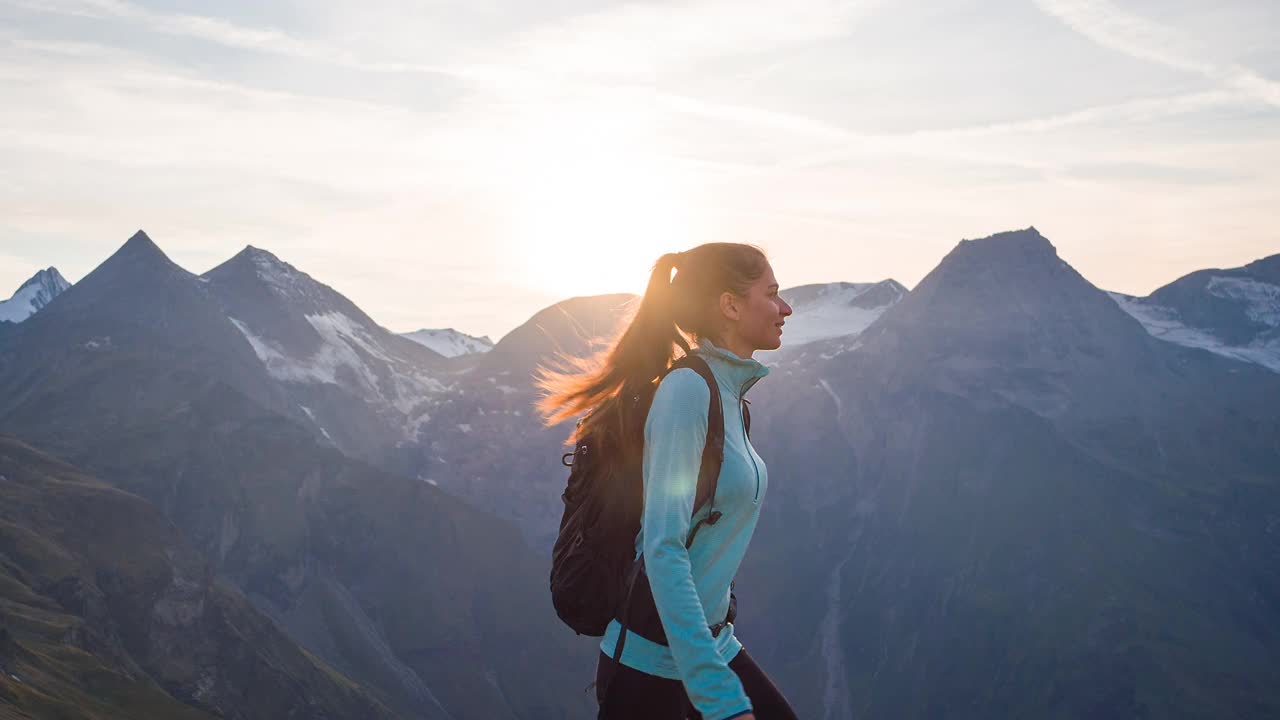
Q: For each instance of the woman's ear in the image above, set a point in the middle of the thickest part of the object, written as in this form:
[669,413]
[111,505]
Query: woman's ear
[729,305]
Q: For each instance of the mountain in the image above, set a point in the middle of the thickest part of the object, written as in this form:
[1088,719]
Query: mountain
[832,310]
[1235,313]
[33,295]
[354,383]
[138,375]
[491,395]
[1006,315]
[137,306]
[108,613]
[1010,500]
[575,326]
[1002,497]
[449,342]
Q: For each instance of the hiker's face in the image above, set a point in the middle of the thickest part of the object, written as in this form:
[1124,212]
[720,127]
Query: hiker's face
[762,312]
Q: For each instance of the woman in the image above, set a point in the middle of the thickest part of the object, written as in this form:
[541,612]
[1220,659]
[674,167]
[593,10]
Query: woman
[725,298]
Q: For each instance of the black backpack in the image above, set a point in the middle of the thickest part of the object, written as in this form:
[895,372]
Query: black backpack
[593,574]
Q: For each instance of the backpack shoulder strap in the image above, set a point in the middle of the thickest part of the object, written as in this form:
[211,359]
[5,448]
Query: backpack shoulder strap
[713,451]
[708,478]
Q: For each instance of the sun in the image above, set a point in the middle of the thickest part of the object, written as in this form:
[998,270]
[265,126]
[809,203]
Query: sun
[597,201]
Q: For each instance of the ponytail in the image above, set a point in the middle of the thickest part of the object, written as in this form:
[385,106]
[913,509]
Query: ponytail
[668,316]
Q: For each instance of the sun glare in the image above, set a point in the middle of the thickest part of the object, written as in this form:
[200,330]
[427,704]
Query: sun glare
[596,202]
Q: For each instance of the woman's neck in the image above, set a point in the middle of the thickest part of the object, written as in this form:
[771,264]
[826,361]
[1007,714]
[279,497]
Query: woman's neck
[735,345]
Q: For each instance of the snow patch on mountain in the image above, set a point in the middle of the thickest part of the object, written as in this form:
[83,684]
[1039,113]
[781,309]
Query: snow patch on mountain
[342,336]
[821,312]
[283,367]
[33,295]
[1165,323]
[340,360]
[834,398]
[830,323]
[1261,300]
[449,342]
[312,416]
[283,279]
[413,429]
[345,339]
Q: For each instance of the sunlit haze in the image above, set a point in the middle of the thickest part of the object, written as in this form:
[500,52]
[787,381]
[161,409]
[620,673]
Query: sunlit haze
[465,164]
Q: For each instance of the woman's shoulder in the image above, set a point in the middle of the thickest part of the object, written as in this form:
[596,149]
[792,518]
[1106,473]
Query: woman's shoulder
[682,390]
[685,381]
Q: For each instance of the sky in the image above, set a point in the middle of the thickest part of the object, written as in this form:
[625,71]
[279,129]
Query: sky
[466,164]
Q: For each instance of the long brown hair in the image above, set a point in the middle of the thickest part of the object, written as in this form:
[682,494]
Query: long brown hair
[672,312]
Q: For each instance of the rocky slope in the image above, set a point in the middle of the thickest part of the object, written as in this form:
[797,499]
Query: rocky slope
[106,612]
[356,385]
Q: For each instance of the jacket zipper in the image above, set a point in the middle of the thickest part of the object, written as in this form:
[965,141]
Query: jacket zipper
[746,441]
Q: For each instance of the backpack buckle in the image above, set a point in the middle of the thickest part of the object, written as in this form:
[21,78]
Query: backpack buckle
[564,459]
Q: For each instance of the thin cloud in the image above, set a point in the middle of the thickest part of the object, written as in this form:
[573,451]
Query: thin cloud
[948,143]
[135,113]
[641,41]
[231,35]
[1109,26]
[1131,110]
[760,117]
[711,29]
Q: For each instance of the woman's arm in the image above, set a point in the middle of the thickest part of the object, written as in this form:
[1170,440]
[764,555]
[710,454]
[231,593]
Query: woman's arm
[675,432]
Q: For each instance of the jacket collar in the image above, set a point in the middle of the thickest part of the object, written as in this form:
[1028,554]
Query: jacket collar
[739,374]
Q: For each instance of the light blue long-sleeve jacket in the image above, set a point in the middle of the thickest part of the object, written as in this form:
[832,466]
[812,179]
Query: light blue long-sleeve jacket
[691,587]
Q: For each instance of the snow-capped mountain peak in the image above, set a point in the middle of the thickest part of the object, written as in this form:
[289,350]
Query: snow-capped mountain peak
[1235,313]
[284,279]
[839,309]
[33,295]
[346,373]
[449,342]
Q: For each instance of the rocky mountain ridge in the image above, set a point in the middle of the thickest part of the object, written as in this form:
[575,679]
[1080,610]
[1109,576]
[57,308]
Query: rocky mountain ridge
[449,342]
[999,494]
[1233,312]
[137,375]
[33,295]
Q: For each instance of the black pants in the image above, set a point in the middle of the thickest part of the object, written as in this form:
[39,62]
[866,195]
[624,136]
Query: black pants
[634,695]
